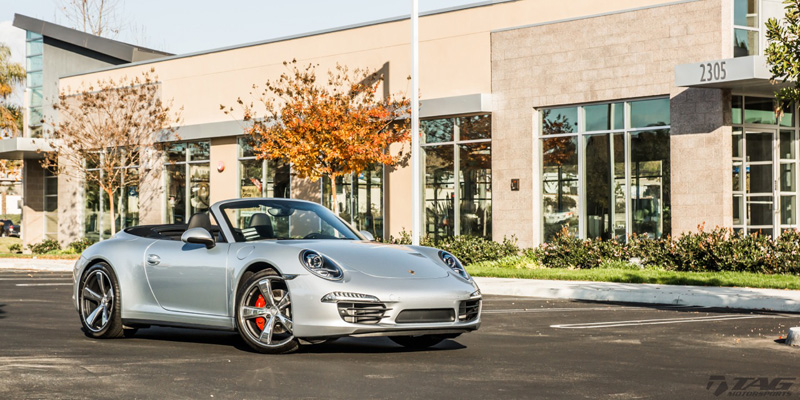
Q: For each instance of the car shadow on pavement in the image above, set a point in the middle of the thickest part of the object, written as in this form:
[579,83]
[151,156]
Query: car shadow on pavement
[2,312]
[221,338]
[368,345]
[372,345]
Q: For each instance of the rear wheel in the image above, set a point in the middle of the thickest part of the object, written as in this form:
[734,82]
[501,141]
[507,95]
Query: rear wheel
[264,314]
[100,303]
[418,342]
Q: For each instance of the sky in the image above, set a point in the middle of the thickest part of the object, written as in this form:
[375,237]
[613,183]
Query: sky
[185,26]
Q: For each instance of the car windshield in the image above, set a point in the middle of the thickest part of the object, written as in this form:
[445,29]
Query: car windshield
[261,219]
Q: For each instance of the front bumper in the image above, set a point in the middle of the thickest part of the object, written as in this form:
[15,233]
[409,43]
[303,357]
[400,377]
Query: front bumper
[314,318]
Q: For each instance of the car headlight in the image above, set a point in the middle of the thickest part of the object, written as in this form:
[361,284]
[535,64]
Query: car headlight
[320,265]
[452,262]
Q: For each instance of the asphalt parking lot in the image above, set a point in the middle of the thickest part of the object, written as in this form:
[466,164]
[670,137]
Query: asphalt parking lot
[526,348]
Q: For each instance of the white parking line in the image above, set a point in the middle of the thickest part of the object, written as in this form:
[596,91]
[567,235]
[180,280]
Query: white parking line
[45,284]
[569,309]
[35,279]
[611,324]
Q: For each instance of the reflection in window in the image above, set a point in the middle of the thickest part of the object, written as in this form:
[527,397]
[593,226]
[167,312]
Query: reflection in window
[559,120]
[650,189]
[439,191]
[462,206]
[97,208]
[475,189]
[560,185]
[261,178]
[624,190]
[187,180]
[360,198]
[764,165]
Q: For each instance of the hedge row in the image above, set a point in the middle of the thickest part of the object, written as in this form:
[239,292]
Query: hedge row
[468,249]
[719,249]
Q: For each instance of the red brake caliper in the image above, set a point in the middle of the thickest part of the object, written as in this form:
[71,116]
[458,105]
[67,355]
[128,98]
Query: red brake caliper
[260,321]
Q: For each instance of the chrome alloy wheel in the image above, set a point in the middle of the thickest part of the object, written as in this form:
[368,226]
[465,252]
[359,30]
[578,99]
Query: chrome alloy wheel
[265,312]
[97,300]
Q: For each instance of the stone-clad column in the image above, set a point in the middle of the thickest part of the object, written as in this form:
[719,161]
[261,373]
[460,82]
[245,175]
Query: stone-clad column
[700,150]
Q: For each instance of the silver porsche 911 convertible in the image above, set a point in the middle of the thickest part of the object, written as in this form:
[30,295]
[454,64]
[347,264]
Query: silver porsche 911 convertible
[280,272]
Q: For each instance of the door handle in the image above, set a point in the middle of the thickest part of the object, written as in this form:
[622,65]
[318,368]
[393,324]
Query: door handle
[153,259]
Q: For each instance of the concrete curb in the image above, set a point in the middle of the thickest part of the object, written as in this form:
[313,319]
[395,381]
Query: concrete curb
[36,264]
[741,298]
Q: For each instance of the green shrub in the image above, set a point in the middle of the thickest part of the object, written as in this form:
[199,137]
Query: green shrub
[468,249]
[714,250]
[44,247]
[15,248]
[80,245]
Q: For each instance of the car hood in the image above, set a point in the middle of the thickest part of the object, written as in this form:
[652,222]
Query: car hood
[375,259]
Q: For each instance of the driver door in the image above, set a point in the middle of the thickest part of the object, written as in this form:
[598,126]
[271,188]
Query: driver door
[188,277]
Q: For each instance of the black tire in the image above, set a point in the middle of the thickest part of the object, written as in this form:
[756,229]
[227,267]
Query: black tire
[100,303]
[418,342]
[278,309]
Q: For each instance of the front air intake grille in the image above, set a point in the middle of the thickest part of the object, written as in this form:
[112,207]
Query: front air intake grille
[468,310]
[426,316]
[362,313]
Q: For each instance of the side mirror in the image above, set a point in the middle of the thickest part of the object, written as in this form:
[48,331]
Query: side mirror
[368,235]
[199,236]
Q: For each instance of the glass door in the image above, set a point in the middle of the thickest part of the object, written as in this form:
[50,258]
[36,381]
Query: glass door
[759,181]
[767,177]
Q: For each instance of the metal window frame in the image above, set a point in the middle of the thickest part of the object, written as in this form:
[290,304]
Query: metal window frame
[581,135]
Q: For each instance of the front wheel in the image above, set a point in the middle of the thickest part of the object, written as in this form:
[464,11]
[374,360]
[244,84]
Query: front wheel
[418,342]
[264,314]
[100,303]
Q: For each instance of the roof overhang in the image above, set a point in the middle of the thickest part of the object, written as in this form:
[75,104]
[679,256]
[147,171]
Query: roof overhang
[20,148]
[741,74]
[465,104]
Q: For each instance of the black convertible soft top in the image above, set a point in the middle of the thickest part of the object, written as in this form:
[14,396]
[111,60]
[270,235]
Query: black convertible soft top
[165,231]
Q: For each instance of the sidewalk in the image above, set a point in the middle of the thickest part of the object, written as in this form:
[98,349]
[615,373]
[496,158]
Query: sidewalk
[36,264]
[706,296]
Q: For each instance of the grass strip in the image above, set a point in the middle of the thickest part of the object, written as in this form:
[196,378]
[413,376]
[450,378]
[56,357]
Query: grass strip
[527,268]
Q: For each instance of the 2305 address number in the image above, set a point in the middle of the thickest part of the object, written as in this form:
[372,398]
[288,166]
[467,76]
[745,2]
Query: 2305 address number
[713,71]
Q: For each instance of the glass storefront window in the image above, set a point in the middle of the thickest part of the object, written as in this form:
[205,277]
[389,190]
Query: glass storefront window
[649,113]
[746,32]
[475,189]
[458,178]
[360,198]
[437,130]
[50,205]
[604,117]
[559,120]
[97,209]
[650,189]
[745,13]
[608,185]
[187,174]
[261,178]
[759,111]
[736,109]
[559,185]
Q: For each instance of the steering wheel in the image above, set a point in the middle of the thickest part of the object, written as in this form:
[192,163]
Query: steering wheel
[318,235]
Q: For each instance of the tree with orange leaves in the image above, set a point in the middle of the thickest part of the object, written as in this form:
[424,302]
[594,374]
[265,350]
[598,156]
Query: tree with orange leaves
[331,129]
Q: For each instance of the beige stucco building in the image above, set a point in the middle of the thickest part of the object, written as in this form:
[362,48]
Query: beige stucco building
[604,118]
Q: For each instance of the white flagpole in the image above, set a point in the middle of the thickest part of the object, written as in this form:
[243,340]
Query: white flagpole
[415,149]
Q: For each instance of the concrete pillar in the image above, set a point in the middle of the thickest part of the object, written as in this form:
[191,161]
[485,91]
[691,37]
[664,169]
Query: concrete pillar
[700,151]
[32,202]
[224,184]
